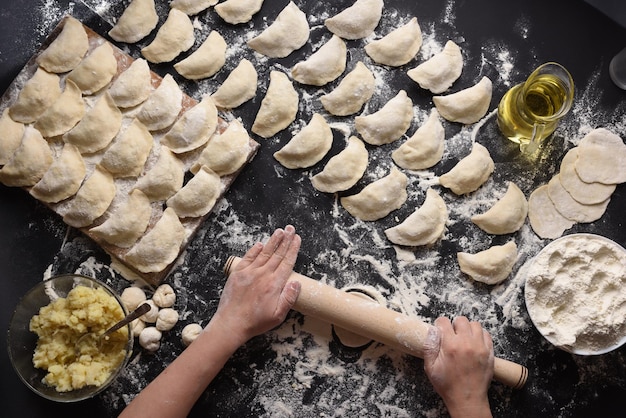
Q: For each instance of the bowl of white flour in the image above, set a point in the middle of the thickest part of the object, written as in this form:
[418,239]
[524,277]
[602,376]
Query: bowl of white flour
[576,294]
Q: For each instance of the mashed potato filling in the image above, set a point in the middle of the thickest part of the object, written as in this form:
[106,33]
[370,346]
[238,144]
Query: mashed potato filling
[59,325]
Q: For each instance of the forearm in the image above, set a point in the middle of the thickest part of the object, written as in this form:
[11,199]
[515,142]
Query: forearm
[469,409]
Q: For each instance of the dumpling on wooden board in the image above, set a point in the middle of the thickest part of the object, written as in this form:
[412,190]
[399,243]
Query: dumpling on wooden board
[163,105]
[278,108]
[63,178]
[132,87]
[96,70]
[12,133]
[491,266]
[466,106]
[424,148]
[352,92]
[238,11]
[226,152]
[205,61]
[324,65]
[388,123]
[356,21]
[164,178]
[287,33]
[136,22]
[64,113]
[507,215]
[308,146]
[193,129]
[173,37]
[343,170]
[29,162]
[129,151]
[92,199]
[198,196]
[67,50]
[440,71]
[398,47]
[192,7]
[239,87]
[37,95]
[471,172]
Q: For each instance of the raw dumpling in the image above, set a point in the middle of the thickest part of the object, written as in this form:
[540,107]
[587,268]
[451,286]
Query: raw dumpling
[344,169]
[425,148]
[92,200]
[194,128]
[507,215]
[397,47]
[308,146]
[136,22]
[198,196]
[133,86]
[192,7]
[490,266]
[207,60]
[160,246]
[379,198]
[175,36]
[356,88]
[227,152]
[67,50]
[440,71]
[545,220]
[164,179]
[470,172]
[238,11]
[570,208]
[289,32]
[324,65]
[29,162]
[585,193]
[97,128]
[12,133]
[129,152]
[356,21]
[64,113]
[163,105]
[63,178]
[601,156]
[466,106]
[37,95]
[126,223]
[96,70]
[278,108]
[388,123]
[424,226]
[239,87]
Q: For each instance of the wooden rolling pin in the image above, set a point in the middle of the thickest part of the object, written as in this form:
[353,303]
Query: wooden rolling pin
[376,322]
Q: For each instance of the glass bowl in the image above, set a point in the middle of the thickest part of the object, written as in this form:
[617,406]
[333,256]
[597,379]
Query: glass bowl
[21,342]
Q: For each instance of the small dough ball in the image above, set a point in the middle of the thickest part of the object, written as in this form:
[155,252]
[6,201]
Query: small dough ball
[137,326]
[132,297]
[151,316]
[150,338]
[166,319]
[190,333]
[164,296]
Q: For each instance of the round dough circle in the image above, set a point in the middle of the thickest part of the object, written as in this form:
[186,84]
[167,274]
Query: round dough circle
[349,338]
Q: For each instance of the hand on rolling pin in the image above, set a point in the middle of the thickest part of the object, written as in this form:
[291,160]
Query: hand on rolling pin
[459,361]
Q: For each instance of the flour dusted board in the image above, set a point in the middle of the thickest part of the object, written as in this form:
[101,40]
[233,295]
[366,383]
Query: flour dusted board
[73,161]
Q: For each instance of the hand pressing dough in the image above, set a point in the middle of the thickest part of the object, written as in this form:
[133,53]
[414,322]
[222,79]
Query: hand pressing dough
[324,65]
[378,199]
[133,86]
[357,21]
[174,37]
[352,92]
[67,50]
[226,152]
[37,95]
[398,47]
[163,179]
[164,296]
[308,146]
[193,129]
[198,196]
[64,177]
[440,71]
[136,22]
[192,7]
[466,106]
[387,124]
[12,133]
[64,113]
[207,60]
[96,70]
[601,156]
[491,266]
[163,105]
[425,148]
[150,338]
[239,87]
[190,333]
[585,193]
[424,226]
[507,215]
[470,172]
[278,108]
[344,169]
[128,153]
[238,11]
[29,162]
[166,319]
[545,220]
[92,199]
[132,297]
[570,208]
[289,32]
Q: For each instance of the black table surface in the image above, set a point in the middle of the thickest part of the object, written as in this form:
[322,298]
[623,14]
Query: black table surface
[300,369]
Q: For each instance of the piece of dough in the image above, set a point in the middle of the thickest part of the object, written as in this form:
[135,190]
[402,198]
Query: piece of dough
[440,71]
[601,156]
[205,61]
[136,22]
[572,209]
[227,152]
[133,86]
[357,21]
[238,11]
[468,105]
[289,32]
[343,170]
[29,162]
[92,200]
[96,70]
[163,179]
[545,220]
[324,65]
[128,153]
[166,319]
[63,178]
[239,87]
[308,146]
[398,47]
[424,226]
[387,124]
[424,148]
[164,296]
[64,113]
[12,133]
[132,297]
[67,50]
[174,37]
[198,196]
[507,215]
[491,266]
[163,105]
[150,338]
[160,246]
[470,172]
[352,92]
[127,222]
[193,129]
[191,331]
[37,95]
[278,108]
[585,193]
[192,7]
[379,198]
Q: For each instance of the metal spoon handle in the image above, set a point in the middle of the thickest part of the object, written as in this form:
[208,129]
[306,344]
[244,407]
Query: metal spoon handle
[141,309]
